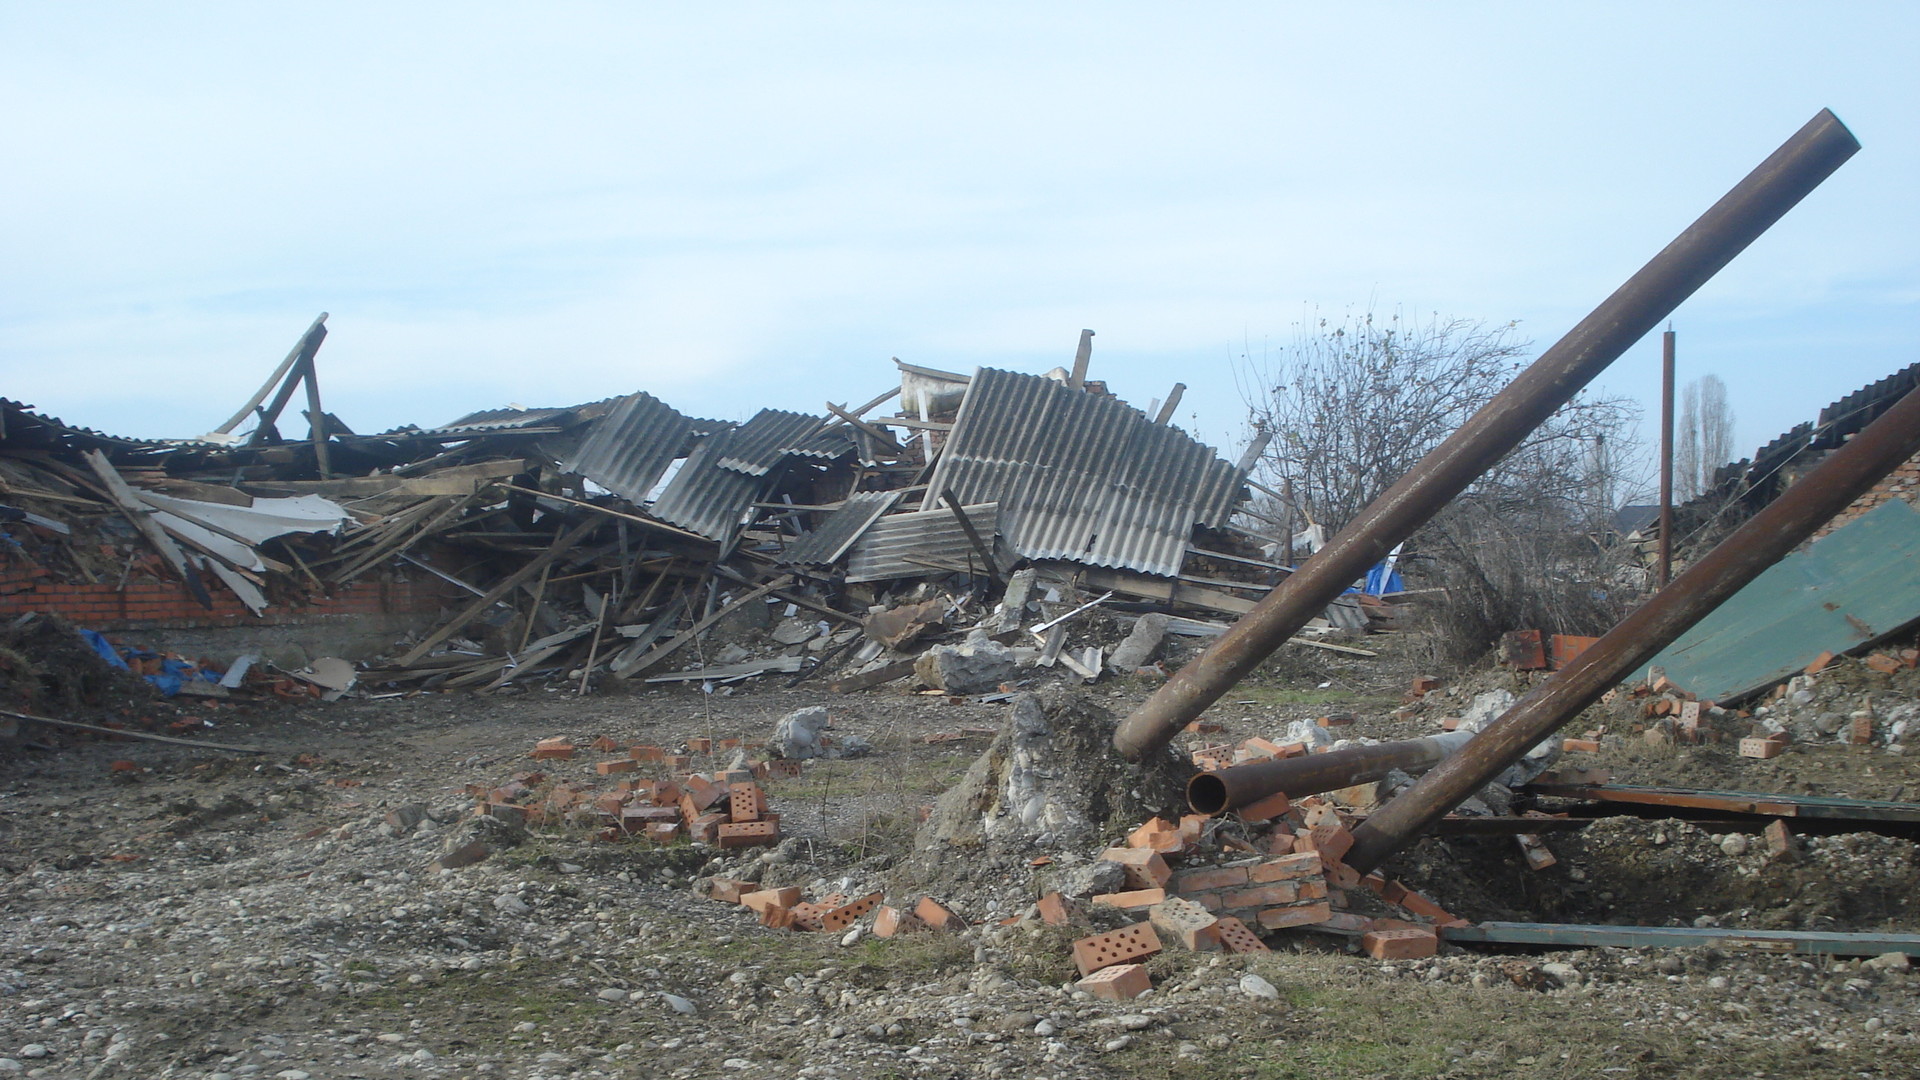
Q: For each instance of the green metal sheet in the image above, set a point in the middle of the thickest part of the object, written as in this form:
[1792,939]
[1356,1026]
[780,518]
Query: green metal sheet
[1858,583]
[1574,936]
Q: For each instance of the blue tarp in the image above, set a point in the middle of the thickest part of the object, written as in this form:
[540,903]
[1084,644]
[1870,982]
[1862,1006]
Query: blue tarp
[172,674]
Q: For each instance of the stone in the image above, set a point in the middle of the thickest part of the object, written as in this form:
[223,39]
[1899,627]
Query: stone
[1141,643]
[800,734]
[612,993]
[1734,844]
[976,666]
[1256,987]
[1892,961]
[35,1051]
[1564,974]
[679,1004]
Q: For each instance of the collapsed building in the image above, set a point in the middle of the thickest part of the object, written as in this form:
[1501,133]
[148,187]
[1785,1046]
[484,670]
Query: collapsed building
[604,537]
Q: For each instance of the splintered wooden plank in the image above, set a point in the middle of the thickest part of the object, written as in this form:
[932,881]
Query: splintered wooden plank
[137,512]
[507,584]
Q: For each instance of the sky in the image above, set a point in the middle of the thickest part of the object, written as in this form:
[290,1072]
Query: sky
[757,205]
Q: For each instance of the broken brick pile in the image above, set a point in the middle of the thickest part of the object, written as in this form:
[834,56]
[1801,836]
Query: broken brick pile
[784,909]
[726,807]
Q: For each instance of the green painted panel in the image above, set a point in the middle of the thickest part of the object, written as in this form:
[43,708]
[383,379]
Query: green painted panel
[1856,584]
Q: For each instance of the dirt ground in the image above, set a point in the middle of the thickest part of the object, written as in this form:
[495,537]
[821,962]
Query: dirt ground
[200,914]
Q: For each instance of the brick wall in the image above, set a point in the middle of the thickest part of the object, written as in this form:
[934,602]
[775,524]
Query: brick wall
[145,603]
[1902,483]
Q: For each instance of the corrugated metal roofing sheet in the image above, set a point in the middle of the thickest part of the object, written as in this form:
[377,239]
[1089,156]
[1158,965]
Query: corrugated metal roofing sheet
[1855,584]
[493,420]
[840,529]
[1082,477]
[707,499]
[628,450]
[759,444]
[918,543]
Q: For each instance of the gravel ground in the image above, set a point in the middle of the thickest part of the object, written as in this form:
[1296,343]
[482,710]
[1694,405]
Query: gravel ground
[215,915]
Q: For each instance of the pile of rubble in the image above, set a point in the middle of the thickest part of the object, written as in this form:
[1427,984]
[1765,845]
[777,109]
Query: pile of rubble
[621,540]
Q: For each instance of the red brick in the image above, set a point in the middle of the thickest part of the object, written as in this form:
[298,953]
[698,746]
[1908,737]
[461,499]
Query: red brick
[1760,748]
[1781,843]
[1237,938]
[783,768]
[615,765]
[766,898]
[1159,835]
[645,753]
[1275,918]
[1273,806]
[1053,909]
[1420,905]
[734,834]
[1286,868]
[1131,901]
[605,745]
[705,829]
[701,745]
[1590,746]
[1121,982]
[661,832]
[1860,731]
[559,749]
[729,890]
[1332,841]
[1212,877]
[1192,926]
[702,791]
[843,916]
[934,913]
[1123,946]
[1261,895]
[1882,663]
[1145,868]
[889,921]
[745,802]
[1400,944]
[1818,663]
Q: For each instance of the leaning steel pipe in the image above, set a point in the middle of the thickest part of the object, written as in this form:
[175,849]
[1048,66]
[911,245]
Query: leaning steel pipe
[1754,204]
[1847,474]
[1310,774]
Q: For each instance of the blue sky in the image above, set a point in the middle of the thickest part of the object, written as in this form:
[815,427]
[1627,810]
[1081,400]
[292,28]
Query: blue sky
[758,205]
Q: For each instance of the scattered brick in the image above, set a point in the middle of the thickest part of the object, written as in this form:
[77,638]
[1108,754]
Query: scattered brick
[1144,866]
[705,829]
[464,855]
[1818,663]
[783,768]
[551,749]
[934,913]
[1133,900]
[1194,927]
[646,753]
[1159,835]
[1273,806]
[746,802]
[1590,746]
[766,898]
[1400,944]
[1882,663]
[1262,895]
[735,834]
[1123,946]
[1237,937]
[889,921]
[615,765]
[1332,841]
[1053,909]
[843,916]
[1121,982]
[1760,748]
[1422,906]
[700,745]
[605,745]
[1860,732]
[728,890]
[1781,843]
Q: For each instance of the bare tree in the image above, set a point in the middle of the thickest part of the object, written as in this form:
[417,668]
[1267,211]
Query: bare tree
[1703,437]
[1353,404]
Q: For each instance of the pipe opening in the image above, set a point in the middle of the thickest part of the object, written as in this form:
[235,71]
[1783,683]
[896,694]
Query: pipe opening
[1207,794]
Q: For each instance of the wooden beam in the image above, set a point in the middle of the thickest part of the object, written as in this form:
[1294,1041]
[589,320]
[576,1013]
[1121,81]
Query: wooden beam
[129,503]
[885,673]
[506,585]
[662,651]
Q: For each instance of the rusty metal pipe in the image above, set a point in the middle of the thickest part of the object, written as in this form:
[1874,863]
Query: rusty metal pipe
[1847,474]
[1741,215]
[1310,774]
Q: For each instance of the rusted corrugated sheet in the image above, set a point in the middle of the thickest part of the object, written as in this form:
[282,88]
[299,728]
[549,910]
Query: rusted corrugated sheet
[919,543]
[628,450]
[840,529]
[1081,476]
[1858,583]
